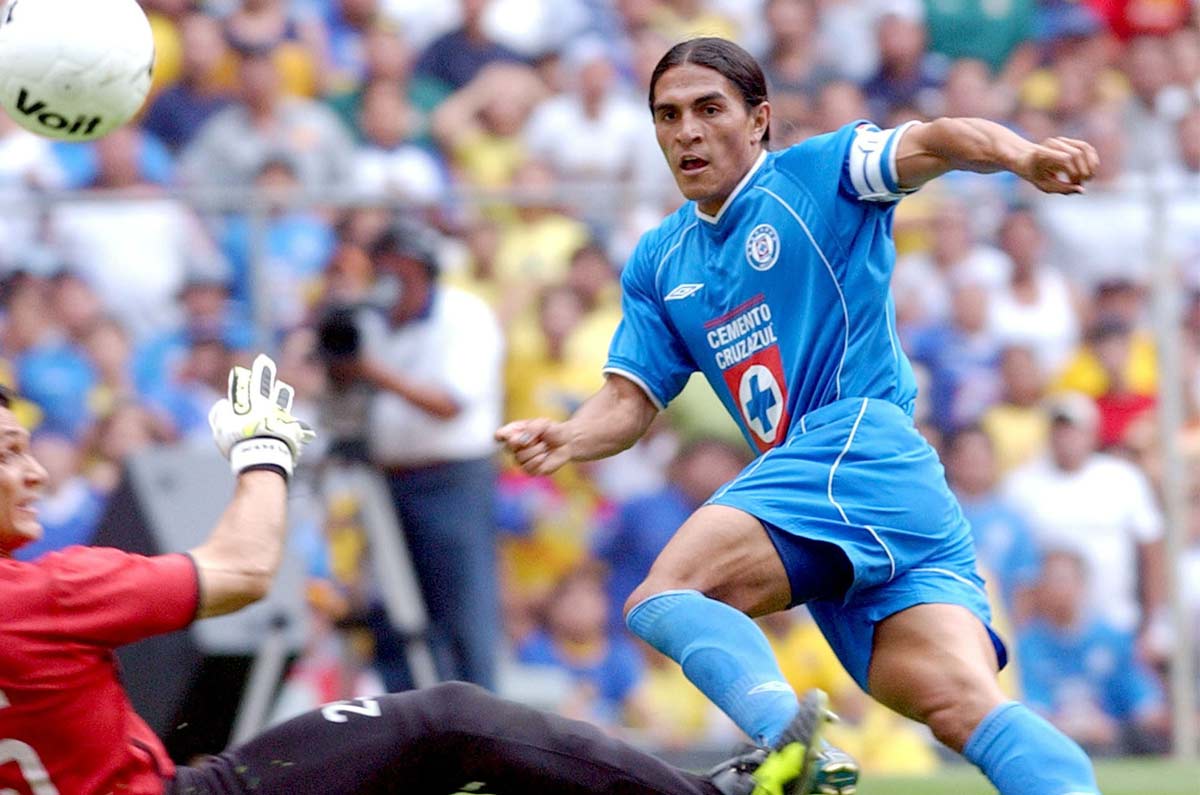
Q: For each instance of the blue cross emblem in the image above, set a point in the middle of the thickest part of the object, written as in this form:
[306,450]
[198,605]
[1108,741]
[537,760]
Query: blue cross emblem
[759,404]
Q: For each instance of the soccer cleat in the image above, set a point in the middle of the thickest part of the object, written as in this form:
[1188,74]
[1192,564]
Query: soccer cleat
[735,776]
[790,767]
[836,772]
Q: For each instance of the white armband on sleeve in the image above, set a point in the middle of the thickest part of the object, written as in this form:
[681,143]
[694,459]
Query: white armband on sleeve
[872,163]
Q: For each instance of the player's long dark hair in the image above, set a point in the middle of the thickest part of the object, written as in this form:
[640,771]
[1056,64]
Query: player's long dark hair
[723,56]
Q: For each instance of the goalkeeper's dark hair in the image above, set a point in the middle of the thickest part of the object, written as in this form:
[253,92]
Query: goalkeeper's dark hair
[7,396]
[723,56]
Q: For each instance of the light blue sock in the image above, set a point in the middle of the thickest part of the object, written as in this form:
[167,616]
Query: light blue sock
[1021,752]
[724,654]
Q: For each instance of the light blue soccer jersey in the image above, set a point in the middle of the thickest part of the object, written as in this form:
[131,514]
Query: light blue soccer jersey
[782,299]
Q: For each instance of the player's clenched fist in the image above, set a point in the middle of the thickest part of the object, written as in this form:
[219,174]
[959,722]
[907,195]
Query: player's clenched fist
[253,426]
[1059,165]
[540,446]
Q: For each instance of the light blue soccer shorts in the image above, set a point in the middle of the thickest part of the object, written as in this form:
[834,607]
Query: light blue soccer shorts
[856,473]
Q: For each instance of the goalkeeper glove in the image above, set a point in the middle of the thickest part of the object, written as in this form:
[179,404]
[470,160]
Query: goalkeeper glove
[253,426]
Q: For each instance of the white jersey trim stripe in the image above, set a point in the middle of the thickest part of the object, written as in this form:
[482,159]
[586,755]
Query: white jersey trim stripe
[887,321]
[833,276]
[743,474]
[952,575]
[712,219]
[640,383]
[829,488]
[670,251]
[891,560]
[838,461]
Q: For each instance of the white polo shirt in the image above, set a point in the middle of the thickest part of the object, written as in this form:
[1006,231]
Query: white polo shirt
[459,347]
[1103,512]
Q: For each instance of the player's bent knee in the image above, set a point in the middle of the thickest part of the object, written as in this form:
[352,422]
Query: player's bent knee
[640,594]
[954,719]
[949,696]
[955,704]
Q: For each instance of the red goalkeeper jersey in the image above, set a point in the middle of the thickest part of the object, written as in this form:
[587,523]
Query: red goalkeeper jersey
[66,725]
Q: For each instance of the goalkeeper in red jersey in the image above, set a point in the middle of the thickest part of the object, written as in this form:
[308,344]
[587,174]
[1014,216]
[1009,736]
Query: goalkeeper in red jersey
[66,724]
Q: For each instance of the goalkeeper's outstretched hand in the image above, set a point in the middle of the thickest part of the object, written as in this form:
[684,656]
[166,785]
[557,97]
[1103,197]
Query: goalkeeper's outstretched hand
[253,426]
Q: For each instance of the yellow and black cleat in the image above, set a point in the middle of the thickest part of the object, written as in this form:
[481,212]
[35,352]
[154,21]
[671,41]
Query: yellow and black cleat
[790,767]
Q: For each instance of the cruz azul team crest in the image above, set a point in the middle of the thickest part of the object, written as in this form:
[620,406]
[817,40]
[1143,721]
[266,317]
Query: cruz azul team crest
[762,247]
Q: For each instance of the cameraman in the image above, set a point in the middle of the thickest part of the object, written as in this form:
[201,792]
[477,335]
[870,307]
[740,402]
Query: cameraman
[430,363]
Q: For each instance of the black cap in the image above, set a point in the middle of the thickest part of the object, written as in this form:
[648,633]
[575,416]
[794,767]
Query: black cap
[201,277]
[278,158]
[1115,283]
[1074,408]
[249,47]
[411,241]
[1107,326]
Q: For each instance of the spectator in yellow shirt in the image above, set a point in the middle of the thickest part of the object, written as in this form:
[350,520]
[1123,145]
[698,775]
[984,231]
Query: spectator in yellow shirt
[479,126]
[1086,373]
[1018,425]
[541,380]
[536,248]
[684,19]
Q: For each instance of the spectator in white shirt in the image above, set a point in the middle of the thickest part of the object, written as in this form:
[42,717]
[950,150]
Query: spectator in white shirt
[1154,104]
[27,164]
[1108,232]
[1102,508]
[231,146]
[593,131]
[923,282]
[1036,307]
[134,252]
[434,365]
[389,163]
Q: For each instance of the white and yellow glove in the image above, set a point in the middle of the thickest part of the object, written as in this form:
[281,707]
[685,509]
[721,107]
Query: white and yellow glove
[253,426]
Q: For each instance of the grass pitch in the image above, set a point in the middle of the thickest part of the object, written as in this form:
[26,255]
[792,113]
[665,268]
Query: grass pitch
[1123,777]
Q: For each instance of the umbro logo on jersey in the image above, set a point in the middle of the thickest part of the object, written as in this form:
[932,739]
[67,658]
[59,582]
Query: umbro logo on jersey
[682,291]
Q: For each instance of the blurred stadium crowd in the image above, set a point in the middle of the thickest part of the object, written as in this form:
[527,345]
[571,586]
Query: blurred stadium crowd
[516,133]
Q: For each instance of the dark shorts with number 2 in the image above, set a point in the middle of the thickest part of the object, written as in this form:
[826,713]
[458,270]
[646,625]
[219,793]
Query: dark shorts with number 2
[453,738]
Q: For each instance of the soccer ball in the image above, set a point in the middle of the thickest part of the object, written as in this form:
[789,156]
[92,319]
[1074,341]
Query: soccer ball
[74,69]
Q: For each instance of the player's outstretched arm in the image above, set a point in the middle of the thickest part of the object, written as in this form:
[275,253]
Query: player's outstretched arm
[255,430]
[930,149]
[607,423]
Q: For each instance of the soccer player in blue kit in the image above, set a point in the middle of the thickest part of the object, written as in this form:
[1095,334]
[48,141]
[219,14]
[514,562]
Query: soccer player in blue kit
[773,280]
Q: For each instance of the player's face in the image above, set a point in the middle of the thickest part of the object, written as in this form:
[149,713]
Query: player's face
[21,482]
[706,132]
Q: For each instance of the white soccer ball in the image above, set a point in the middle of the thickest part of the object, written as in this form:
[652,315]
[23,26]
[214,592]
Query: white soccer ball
[74,69]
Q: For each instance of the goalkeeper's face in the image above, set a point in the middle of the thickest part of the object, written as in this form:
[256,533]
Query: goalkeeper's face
[22,479]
